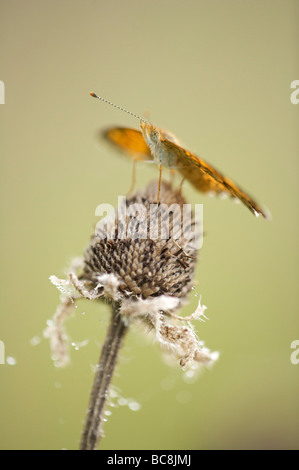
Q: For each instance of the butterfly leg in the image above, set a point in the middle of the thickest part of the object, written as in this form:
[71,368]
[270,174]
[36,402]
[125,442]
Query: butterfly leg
[159,184]
[136,159]
[133,177]
[181,184]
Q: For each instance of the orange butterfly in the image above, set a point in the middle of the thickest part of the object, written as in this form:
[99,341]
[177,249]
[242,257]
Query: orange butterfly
[152,143]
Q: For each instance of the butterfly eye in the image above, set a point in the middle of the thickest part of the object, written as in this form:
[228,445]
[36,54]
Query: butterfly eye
[154,136]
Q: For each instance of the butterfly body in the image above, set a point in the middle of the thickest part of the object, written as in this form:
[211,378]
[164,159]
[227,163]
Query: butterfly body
[155,139]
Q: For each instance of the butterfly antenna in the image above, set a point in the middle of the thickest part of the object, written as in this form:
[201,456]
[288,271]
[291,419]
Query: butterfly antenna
[116,106]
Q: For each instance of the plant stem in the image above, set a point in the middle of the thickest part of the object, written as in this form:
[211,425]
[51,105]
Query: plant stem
[94,420]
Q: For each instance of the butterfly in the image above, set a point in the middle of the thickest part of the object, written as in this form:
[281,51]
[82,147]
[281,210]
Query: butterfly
[152,143]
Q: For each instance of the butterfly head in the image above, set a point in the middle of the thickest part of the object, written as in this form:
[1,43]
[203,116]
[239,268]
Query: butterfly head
[151,134]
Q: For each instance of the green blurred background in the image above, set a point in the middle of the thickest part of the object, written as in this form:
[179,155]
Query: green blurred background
[217,74]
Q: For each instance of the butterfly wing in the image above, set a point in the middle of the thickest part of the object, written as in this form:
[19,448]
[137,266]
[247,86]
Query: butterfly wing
[129,141]
[205,178]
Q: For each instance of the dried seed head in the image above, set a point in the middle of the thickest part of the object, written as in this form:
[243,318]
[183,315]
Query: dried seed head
[145,267]
[142,259]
